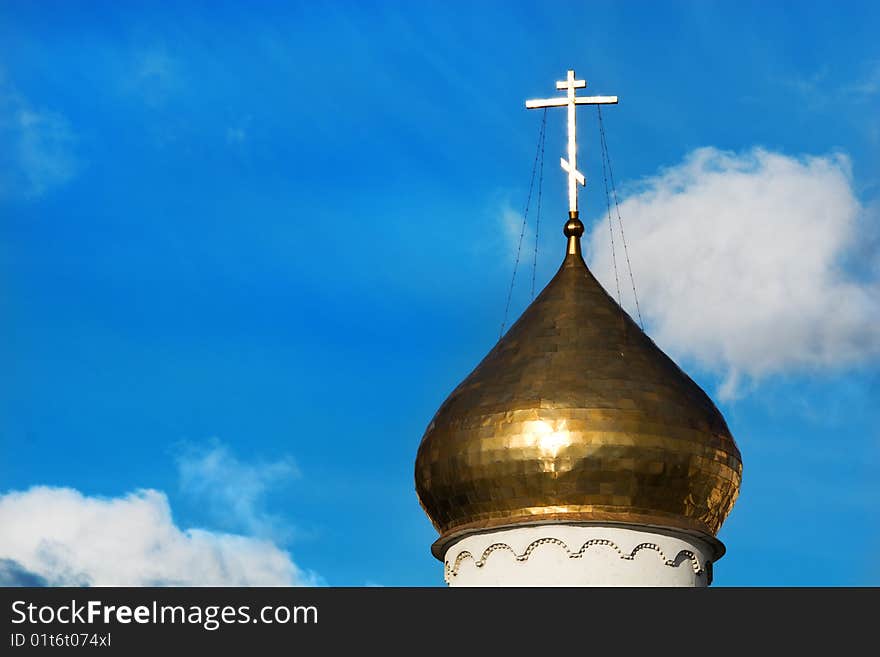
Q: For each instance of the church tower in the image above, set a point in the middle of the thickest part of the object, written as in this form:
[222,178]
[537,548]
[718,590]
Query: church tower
[577,453]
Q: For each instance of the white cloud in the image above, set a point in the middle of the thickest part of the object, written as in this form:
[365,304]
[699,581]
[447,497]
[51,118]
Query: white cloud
[154,76]
[13,573]
[68,539]
[231,490]
[239,133]
[512,228]
[738,264]
[36,147]
[868,84]
[823,91]
[236,135]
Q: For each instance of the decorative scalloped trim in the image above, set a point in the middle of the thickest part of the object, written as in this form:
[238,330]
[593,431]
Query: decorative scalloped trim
[452,571]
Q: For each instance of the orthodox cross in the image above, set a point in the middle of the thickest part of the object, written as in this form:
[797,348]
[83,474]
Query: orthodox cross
[570,165]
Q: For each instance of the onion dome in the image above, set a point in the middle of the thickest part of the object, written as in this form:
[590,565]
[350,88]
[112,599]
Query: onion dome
[576,416]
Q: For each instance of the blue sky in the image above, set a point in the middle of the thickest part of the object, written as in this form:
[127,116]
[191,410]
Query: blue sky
[245,253]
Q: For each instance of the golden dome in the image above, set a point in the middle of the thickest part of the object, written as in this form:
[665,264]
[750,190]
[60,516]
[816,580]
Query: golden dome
[576,416]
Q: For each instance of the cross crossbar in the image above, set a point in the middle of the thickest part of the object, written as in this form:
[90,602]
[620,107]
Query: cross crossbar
[570,100]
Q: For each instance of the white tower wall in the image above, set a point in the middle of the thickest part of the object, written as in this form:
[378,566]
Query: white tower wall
[580,555]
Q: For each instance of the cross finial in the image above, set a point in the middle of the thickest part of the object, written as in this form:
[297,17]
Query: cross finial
[575,177]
